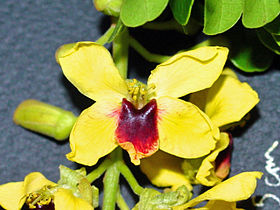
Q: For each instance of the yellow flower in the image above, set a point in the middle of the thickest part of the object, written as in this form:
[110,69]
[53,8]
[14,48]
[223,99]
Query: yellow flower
[38,191]
[140,118]
[225,102]
[224,195]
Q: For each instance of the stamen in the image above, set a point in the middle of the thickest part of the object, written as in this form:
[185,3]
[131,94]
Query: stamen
[42,197]
[134,81]
[151,87]
[150,90]
[137,93]
[134,97]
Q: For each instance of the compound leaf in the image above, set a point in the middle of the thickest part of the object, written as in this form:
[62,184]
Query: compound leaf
[137,12]
[221,15]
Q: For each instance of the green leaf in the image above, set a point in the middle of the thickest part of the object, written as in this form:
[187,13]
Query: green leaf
[257,13]
[221,15]
[268,41]
[274,26]
[198,12]
[247,52]
[181,10]
[137,12]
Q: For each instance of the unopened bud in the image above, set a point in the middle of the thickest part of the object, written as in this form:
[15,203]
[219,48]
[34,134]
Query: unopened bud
[108,7]
[76,181]
[223,161]
[190,168]
[45,119]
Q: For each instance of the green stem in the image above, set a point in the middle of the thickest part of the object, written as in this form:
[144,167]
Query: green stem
[111,181]
[162,26]
[145,53]
[213,41]
[120,52]
[191,28]
[95,174]
[121,202]
[105,37]
[111,178]
[137,189]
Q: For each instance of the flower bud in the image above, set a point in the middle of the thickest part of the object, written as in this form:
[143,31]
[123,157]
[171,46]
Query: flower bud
[76,181]
[45,119]
[223,161]
[152,199]
[190,168]
[108,7]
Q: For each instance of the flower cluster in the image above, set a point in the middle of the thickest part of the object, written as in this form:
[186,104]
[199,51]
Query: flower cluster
[176,140]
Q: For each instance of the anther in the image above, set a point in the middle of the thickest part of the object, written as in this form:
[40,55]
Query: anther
[151,86]
[136,90]
[134,81]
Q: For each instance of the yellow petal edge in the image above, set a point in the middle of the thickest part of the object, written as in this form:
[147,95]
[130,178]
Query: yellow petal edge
[236,188]
[188,72]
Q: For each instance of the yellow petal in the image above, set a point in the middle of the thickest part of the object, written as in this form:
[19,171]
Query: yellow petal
[219,205]
[206,173]
[184,130]
[90,68]
[188,72]
[92,136]
[164,170]
[229,72]
[62,50]
[64,199]
[35,181]
[227,101]
[11,194]
[239,187]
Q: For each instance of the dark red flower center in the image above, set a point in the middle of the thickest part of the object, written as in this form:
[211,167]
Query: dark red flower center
[49,206]
[137,130]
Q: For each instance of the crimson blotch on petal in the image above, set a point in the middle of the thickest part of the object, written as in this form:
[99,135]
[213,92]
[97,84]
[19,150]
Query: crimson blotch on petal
[137,129]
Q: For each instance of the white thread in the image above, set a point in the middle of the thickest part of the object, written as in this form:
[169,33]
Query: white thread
[270,166]
[265,196]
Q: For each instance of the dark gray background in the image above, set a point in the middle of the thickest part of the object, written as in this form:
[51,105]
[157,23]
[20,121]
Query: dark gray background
[31,31]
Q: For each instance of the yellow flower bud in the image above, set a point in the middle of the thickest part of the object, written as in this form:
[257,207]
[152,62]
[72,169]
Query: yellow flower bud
[45,119]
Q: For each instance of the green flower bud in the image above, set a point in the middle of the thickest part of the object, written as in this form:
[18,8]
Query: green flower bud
[190,168]
[76,181]
[45,119]
[108,7]
[151,199]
